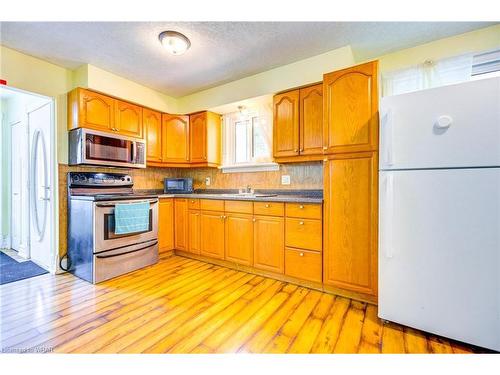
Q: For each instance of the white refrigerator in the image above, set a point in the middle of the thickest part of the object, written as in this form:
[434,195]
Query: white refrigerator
[439,250]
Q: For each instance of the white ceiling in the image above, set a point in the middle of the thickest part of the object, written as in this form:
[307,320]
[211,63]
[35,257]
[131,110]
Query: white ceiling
[220,51]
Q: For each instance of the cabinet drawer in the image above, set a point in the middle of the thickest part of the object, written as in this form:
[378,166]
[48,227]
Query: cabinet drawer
[269,208]
[193,204]
[302,210]
[303,264]
[239,207]
[303,233]
[212,204]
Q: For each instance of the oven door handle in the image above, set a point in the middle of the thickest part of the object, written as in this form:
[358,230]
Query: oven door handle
[126,252]
[151,201]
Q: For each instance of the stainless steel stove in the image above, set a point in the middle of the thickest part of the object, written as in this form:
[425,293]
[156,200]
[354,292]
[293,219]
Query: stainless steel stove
[95,252]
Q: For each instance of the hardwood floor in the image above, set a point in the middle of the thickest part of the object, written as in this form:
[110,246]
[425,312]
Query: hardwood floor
[187,306]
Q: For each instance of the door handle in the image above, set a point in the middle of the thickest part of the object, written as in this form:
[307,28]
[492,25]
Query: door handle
[387,121]
[389,217]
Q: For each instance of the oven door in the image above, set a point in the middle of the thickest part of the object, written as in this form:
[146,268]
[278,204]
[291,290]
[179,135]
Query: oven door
[105,237]
[99,148]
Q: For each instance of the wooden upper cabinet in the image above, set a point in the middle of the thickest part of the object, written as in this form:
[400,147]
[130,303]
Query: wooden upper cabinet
[311,120]
[350,222]
[152,126]
[91,110]
[286,124]
[239,238]
[350,109]
[181,223]
[198,144]
[205,139]
[269,243]
[175,138]
[128,119]
[166,225]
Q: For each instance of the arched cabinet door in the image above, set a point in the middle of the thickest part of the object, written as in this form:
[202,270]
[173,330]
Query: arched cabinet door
[311,120]
[40,188]
[175,138]
[128,119]
[96,111]
[286,124]
[350,109]
[152,127]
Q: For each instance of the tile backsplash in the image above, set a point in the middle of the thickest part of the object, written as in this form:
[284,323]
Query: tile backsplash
[302,176]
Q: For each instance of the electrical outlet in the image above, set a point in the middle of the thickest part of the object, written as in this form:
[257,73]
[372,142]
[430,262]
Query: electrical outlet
[208,181]
[285,179]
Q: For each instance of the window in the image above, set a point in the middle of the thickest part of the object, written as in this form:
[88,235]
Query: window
[442,72]
[247,143]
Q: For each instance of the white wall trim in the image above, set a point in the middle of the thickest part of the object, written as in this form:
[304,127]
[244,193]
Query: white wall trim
[242,168]
[5,244]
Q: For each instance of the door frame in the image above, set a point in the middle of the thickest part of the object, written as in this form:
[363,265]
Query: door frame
[23,122]
[53,165]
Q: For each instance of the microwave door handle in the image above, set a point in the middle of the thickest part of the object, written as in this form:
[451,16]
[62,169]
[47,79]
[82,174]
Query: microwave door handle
[133,152]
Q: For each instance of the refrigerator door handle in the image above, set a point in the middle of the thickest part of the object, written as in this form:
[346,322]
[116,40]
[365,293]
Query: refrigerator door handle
[387,234]
[387,128]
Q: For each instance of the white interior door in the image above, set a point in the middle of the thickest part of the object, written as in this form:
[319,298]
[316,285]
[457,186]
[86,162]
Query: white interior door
[20,189]
[41,190]
[439,253]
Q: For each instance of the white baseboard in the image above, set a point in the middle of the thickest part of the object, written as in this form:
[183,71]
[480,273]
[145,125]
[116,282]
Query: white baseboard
[5,242]
[23,252]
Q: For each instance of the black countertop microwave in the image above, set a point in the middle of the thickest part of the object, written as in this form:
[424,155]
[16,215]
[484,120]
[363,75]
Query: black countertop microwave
[178,185]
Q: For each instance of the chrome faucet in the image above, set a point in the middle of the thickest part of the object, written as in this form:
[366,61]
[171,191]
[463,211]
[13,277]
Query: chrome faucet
[246,190]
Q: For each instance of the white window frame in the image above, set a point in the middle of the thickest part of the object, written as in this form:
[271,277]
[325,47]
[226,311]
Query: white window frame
[229,143]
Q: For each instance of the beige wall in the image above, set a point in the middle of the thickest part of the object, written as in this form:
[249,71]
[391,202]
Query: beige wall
[474,41]
[299,73]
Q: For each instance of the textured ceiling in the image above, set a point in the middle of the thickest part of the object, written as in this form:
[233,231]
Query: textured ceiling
[220,51]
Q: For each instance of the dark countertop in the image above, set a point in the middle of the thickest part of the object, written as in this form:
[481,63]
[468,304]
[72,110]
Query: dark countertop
[294,196]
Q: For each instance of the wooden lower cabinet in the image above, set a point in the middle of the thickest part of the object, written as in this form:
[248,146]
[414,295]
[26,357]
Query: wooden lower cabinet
[239,238]
[350,222]
[212,234]
[303,264]
[181,223]
[194,229]
[269,243]
[166,225]
[304,233]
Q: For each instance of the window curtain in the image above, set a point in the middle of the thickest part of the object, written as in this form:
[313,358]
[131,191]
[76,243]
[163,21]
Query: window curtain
[427,75]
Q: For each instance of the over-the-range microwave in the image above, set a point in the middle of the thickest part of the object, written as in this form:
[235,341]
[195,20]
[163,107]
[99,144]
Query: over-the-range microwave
[92,147]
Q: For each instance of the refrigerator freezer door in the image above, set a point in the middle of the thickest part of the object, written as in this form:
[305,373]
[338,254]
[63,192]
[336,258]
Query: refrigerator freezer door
[439,252]
[445,127]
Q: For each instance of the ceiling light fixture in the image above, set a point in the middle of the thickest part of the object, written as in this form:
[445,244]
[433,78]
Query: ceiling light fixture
[175,43]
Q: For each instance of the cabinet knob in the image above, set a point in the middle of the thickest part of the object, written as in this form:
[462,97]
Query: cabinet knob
[301,206]
[301,150]
[301,254]
[301,223]
[295,150]
[254,220]
[325,148]
[267,205]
